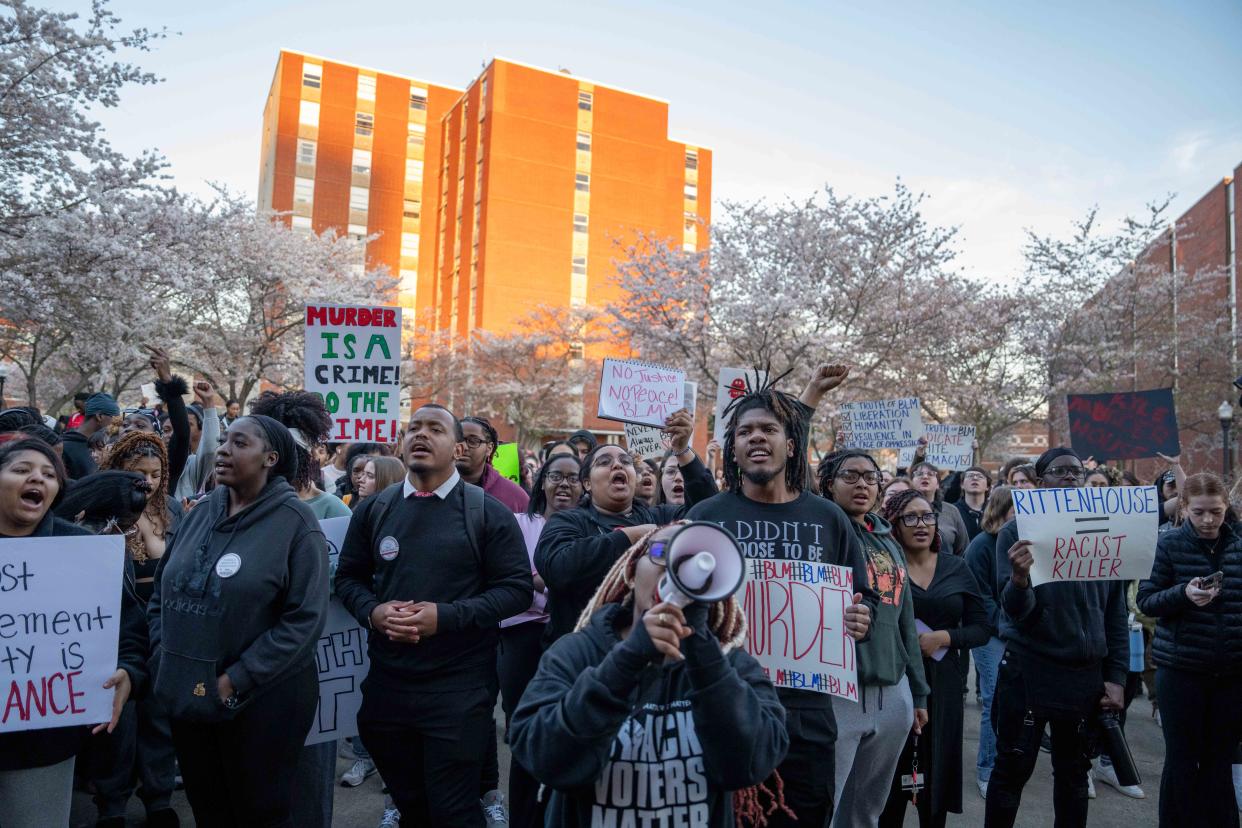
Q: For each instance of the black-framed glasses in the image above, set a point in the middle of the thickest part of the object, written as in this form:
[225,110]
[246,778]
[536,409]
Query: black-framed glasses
[474,442]
[655,551]
[556,478]
[973,476]
[605,460]
[1066,472]
[911,521]
[852,476]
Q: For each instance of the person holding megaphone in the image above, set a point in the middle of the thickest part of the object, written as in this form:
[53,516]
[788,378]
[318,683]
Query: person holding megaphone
[651,711]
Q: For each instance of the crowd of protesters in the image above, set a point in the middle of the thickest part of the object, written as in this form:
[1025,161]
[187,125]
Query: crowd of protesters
[541,593]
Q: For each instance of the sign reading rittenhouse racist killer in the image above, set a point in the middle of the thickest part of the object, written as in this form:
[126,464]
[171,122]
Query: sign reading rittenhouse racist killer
[1127,425]
[1089,534]
[60,624]
[353,361]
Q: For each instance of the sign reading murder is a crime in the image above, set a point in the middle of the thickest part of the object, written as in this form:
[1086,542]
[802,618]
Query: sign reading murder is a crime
[1128,425]
[881,424]
[949,447]
[795,621]
[60,623]
[1089,534]
[353,361]
[340,654]
[635,392]
[730,385]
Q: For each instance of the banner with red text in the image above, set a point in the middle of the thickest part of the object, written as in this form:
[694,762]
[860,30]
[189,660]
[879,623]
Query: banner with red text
[353,361]
[60,623]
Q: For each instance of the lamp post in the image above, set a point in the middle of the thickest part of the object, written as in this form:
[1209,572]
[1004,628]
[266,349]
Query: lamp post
[1225,413]
[4,375]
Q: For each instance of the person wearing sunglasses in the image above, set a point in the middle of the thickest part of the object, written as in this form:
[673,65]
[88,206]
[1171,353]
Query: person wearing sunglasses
[479,442]
[146,420]
[871,733]
[647,714]
[952,616]
[1067,652]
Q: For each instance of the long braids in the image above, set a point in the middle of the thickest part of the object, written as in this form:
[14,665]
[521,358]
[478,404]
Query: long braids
[785,408]
[897,504]
[132,447]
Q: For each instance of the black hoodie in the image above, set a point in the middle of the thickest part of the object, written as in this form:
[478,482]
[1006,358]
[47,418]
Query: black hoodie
[260,624]
[76,453]
[621,741]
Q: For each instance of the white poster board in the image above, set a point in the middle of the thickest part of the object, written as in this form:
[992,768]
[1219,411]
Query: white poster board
[60,625]
[881,424]
[731,384]
[353,360]
[644,442]
[341,656]
[639,393]
[1089,534]
[949,447]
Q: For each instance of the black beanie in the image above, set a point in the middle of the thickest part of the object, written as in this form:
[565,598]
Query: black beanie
[1045,459]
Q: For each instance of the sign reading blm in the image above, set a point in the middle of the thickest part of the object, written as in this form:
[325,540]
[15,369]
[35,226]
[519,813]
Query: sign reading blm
[353,361]
[1128,425]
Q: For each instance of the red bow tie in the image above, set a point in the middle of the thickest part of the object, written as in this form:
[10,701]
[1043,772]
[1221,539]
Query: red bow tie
[423,494]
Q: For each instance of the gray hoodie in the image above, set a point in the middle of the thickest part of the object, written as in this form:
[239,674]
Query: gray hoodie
[245,594]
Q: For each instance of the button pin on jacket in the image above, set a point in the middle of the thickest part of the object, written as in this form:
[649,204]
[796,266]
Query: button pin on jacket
[200,690]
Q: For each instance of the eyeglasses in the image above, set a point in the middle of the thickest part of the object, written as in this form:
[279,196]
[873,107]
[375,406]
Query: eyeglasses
[556,478]
[605,460]
[655,551]
[911,521]
[475,442]
[852,476]
[925,473]
[973,476]
[1066,472]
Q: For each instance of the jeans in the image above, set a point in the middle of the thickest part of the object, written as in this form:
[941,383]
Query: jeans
[987,660]
[314,785]
[140,749]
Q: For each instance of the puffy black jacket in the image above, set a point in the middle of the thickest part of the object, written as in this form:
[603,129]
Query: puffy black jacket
[1199,639]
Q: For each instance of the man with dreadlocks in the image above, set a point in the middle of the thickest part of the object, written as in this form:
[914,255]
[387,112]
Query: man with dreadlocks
[769,510]
[651,715]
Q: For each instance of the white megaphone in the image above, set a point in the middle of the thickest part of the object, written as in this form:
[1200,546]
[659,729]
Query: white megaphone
[704,564]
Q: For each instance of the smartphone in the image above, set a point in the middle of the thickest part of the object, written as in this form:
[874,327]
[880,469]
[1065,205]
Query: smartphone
[1212,581]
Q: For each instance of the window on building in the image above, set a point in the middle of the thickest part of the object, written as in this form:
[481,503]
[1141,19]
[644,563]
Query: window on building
[692,221]
[308,113]
[482,98]
[413,169]
[362,161]
[582,182]
[304,189]
[409,244]
[580,264]
[359,197]
[418,98]
[576,350]
[412,209]
[692,192]
[366,87]
[584,141]
[357,231]
[312,75]
[306,152]
[580,222]
[301,223]
[692,159]
[364,123]
[418,135]
[584,101]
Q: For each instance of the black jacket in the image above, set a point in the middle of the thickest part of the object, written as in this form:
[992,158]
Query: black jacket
[1199,639]
[40,748]
[615,736]
[76,454]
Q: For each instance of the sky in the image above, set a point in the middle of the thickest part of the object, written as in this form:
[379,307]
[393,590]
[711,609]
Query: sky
[1008,116]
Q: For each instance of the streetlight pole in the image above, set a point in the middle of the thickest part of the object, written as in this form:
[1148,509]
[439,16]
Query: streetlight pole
[1225,413]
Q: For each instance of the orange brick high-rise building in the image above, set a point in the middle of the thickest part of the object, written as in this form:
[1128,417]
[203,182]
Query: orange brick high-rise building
[487,202]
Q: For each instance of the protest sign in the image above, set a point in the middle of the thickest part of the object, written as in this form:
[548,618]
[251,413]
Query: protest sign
[795,621]
[881,424]
[644,442]
[1089,534]
[353,361]
[60,623]
[507,463]
[148,392]
[635,392]
[690,395]
[949,447]
[1124,426]
[731,384]
[340,654]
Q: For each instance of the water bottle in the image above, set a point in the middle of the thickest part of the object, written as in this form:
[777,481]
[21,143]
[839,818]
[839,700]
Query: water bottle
[1136,646]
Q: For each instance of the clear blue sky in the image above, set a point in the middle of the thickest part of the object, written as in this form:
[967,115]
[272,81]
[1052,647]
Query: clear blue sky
[1008,115]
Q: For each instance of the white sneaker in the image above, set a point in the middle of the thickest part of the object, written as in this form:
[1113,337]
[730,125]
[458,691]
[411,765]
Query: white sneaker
[983,788]
[1090,786]
[1107,775]
[358,774]
[493,803]
[1237,785]
[391,818]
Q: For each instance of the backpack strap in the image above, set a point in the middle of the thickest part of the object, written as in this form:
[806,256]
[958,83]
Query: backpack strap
[476,524]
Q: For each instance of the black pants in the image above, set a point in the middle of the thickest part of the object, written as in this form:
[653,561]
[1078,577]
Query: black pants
[429,748]
[1202,723]
[139,750]
[516,663]
[241,771]
[1019,724]
[809,769]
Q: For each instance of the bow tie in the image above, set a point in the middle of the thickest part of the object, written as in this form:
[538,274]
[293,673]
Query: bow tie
[423,494]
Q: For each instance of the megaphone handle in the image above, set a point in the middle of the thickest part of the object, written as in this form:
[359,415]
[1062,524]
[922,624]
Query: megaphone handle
[671,595]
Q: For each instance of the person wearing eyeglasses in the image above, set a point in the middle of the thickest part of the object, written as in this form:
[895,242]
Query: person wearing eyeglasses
[1067,652]
[892,687]
[976,486]
[925,479]
[475,464]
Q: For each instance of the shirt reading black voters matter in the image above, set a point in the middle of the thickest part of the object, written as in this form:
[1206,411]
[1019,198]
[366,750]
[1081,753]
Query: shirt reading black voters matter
[408,546]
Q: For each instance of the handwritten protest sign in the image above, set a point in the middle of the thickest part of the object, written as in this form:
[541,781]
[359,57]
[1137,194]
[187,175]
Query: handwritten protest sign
[341,655]
[881,424]
[1123,426]
[635,392]
[507,462]
[644,441]
[731,384]
[353,361]
[1089,534]
[60,622]
[795,621]
[949,447]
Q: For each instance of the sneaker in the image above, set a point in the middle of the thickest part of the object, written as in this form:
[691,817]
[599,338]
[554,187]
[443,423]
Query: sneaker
[1090,786]
[345,749]
[1106,774]
[358,774]
[493,804]
[390,819]
[983,788]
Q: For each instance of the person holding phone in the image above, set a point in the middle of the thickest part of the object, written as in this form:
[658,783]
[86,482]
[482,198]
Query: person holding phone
[1195,595]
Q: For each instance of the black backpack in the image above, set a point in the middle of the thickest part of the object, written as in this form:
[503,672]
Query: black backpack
[476,524]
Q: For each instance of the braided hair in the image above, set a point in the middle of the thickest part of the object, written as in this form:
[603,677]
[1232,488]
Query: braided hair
[134,446]
[785,408]
[751,806]
[488,430]
[831,464]
[304,411]
[892,510]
